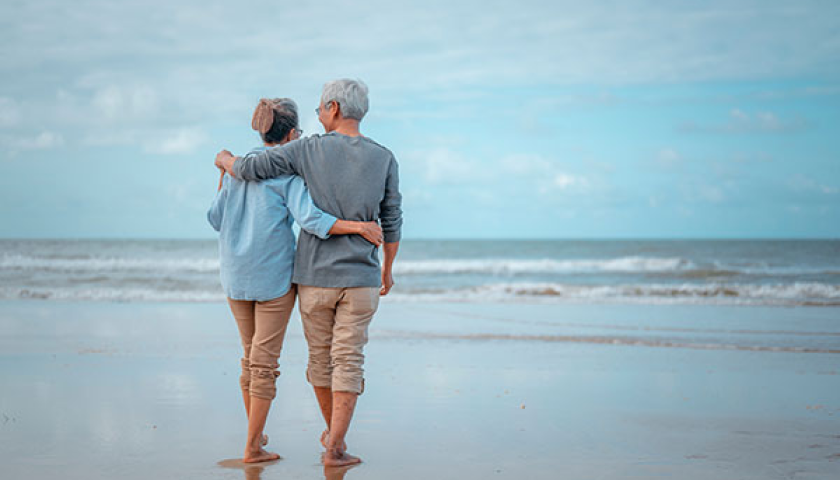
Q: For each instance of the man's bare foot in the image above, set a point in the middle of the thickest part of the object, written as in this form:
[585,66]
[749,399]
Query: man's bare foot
[259,456]
[325,436]
[335,457]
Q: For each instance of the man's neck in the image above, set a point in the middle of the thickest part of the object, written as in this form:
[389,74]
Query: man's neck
[348,127]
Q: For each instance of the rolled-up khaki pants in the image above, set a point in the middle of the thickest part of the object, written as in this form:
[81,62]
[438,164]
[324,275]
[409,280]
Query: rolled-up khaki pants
[262,327]
[335,323]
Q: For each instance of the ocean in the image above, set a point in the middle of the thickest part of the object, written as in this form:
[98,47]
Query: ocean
[727,272]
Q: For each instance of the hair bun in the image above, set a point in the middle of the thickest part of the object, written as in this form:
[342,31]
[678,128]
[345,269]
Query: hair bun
[263,116]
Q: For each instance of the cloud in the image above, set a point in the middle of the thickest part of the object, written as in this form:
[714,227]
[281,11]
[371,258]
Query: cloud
[442,165]
[527,164]
[9,112]
[182,141]
[711,193]
[523,43]
[668,157]
[42,141]
[698,192]
[491,181]
[743,122]
[564,181]
[134,67]
[125,103]
[805,184]
[590,99]
[542,174]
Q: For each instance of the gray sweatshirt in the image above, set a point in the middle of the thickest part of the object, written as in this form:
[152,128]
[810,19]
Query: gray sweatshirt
[353,178]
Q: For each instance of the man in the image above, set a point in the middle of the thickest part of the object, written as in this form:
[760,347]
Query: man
[339,279]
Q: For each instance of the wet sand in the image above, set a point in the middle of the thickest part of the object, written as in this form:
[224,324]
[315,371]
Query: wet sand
[453,391]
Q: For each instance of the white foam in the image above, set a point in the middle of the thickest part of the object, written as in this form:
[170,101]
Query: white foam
[501,266]
[801,293]
[108,264]
[112,294]
[493,266]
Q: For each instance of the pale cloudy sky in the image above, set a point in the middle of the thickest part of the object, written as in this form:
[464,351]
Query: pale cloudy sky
[509,119]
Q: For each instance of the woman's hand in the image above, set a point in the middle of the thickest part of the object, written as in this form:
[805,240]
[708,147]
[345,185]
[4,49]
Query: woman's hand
[371,231]
[224,161]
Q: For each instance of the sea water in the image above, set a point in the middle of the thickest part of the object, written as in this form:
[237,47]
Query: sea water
[743,272]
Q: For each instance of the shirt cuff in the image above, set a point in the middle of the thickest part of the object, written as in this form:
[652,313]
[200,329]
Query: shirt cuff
[325,223]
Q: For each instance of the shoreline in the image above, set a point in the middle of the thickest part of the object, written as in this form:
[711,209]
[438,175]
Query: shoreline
[150,391]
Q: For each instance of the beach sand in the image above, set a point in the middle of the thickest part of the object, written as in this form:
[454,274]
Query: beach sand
[453,391]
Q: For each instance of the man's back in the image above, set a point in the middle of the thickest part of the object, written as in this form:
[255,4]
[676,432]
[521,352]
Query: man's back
[353,178]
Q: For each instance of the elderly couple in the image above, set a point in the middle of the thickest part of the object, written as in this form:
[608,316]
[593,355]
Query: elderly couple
[335,272]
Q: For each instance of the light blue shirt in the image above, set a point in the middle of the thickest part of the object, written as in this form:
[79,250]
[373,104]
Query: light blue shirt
[256,241]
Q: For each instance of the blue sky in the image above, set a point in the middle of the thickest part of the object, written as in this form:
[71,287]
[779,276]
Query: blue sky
[509,119]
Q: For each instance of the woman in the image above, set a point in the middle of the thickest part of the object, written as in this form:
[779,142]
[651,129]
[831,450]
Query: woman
[257,246]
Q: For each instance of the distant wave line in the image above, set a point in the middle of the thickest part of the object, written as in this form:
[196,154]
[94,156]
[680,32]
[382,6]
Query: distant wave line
[456,266]
[795,290]
[106,264]
[818,295]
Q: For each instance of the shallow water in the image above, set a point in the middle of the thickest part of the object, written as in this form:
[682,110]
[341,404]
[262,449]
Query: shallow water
[150,390]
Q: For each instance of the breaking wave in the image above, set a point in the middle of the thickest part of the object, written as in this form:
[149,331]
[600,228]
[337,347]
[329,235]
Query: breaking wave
[807,293]
[107,264]
[802,293]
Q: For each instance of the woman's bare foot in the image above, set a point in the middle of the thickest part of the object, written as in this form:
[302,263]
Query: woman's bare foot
[264,440]
[259,456]
[326,436]
[335,457]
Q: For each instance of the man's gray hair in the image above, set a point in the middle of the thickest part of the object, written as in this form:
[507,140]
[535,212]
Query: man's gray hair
[351,96]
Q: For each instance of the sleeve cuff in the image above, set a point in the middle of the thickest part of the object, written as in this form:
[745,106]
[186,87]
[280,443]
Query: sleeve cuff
[325,223]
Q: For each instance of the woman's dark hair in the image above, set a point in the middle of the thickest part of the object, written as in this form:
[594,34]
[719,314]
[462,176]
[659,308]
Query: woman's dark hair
[274,118]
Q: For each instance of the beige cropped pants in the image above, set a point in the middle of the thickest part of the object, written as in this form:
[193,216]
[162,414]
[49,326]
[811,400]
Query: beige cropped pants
[262,327]
[335,323]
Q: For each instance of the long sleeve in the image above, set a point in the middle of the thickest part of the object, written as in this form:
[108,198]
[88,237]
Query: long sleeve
[270,163]
[217,209]
[390,210]
[305,212]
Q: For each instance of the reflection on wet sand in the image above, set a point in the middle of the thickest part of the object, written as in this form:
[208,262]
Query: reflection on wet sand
[163,399]
[253,471]
[337,473]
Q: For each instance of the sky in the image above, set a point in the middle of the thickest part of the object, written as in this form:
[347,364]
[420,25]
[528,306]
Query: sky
[632,119]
